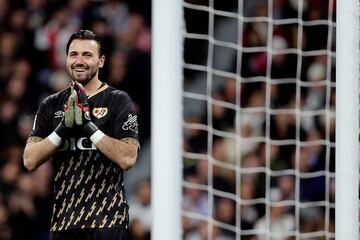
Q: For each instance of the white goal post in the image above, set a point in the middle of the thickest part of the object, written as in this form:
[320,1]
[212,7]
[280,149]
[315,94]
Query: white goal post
[166,119]
[347,120]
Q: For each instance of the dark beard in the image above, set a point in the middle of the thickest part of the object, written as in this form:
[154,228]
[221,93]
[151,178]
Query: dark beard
[85,81]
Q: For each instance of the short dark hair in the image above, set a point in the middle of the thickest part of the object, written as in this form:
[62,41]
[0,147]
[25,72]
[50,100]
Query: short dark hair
[85,35]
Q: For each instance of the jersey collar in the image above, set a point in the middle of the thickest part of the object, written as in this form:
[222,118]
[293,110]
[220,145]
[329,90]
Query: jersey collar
[102,88]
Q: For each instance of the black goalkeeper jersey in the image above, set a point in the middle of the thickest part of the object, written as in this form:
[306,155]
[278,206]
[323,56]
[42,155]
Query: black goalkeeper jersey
[88,187]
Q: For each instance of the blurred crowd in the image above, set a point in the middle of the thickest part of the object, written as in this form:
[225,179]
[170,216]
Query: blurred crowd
[261,154]
[33,36]
[280,107]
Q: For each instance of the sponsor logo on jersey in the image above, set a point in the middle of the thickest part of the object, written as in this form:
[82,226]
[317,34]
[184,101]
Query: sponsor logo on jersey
[131,124]
[59,114]
[100,112]
[74,144]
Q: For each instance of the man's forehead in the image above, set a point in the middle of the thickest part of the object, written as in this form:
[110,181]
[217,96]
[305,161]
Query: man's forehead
[83,45]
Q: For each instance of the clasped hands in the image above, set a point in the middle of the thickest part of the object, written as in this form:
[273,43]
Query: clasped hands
[76,113]
[76,110]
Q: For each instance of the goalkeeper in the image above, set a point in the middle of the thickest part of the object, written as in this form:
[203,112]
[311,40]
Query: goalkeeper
[90,131]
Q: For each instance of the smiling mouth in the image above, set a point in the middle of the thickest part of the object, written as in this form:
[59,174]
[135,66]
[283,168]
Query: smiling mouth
[79,70]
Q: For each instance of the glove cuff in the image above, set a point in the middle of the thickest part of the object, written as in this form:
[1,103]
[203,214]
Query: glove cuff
[55,139]
[90,128]
[61,130]
[97,136]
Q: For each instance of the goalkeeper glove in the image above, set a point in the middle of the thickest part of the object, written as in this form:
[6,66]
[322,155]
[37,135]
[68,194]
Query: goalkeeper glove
[69,114]
[82,115]
[68,120]
[81,107]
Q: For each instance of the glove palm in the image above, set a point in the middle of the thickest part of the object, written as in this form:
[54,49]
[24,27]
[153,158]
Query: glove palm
[69,114]
[81,106]
[82,111]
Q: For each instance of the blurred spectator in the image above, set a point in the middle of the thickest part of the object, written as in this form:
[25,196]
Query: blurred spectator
[138,231]
[195,200]
[116,14]
[249,162]
[316,74]
[10,169]
[203,232]
[225,213]
[5,229]
[81,12]
[281,65]
[36,13]
[195,140]
[8,50]
[248,211]
[140,213]
[283,9]
[137,34]
[312,219]
[281,224]
[284,188]
[9,111]
[117,68]
[311,188]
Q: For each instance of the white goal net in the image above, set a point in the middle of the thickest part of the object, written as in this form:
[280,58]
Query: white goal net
[259,119]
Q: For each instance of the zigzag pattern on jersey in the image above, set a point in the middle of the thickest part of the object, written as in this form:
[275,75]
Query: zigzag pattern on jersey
[89,195]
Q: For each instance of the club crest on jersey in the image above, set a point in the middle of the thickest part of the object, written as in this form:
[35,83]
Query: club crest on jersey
[131,124]
[99,112]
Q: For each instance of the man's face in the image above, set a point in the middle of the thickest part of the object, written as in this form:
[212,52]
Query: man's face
[83,60]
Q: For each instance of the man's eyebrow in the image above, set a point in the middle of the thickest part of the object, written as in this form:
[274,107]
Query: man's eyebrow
[84,52]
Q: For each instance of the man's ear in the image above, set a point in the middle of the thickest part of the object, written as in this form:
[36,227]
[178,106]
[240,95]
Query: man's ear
[101,61]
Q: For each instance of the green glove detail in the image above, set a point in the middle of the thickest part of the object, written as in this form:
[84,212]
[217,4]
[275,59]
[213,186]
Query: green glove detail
[81,106]
[69,115]
[69,110]
[82,111]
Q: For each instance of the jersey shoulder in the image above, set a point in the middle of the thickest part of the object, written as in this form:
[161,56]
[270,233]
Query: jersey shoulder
[117,94]
[56,97]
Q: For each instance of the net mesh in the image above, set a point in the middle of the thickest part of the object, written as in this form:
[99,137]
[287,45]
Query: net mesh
[259,119]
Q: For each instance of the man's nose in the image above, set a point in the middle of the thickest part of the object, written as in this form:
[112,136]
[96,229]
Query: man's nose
[79,60]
